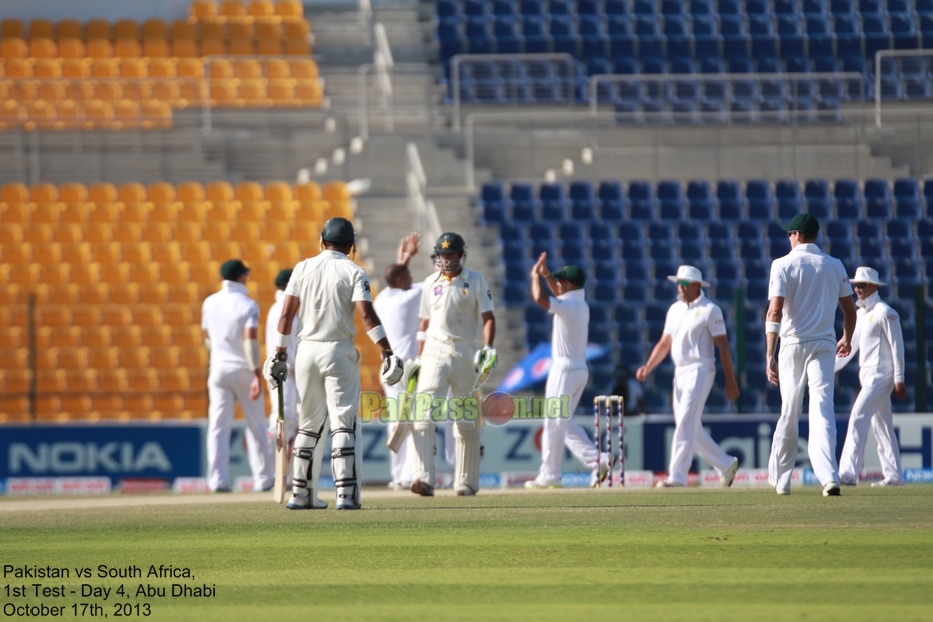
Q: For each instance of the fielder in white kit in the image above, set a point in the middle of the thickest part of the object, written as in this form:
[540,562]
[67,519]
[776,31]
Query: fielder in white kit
[455,303]
[693,324]
[290,391]
[806,286]
[568,374]
[397,307]
[880,342]
[229,323]
[326,290]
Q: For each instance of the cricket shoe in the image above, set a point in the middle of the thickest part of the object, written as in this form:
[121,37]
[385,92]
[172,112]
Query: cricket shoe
[831,489]
[422,488]
[666,483]
[305,502]
[601,474]
[318,504]
[726,477]
[347,502]
[847,482]
[465,491]
[885,483]
[222,489]
[536,484]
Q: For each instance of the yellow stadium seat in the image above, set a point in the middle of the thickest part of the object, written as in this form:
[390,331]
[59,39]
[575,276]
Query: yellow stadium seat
[286,253]
[253,93]
[296,29]
[106,405]
[175,273]
[248,191]
[53,274]
[98,29]
[147,316]
[48,68]
[72,48]
[193,212]
[104,213]
[134,68]
[124,293]
[43,47]
[157,233]
[268,29]
[185,48]
[261,8]
[38,233]
[201,9]
[11,114]
[156,114]
[53,315]
[183,29]
[73,193]
[99,48]
[41,28]
[164,212]
[190,191]
[105,68]
[126,29]
[137,253]
[12,29]
[68,234]
[156,48]
[136,213]
[51,91]
[77,254]
[155,29]
[76,68]
[222,211]
[335,191]
[166,253]
[11,233]
[277,191]
[13,48]
[216,191]
[309,92]
[108,91]
[104,252]
[103,193]
[161,358]
[190,68]
[297,47]
[137,90]
[99,337]
[67,294]
[160,192]
[154,294]
[244,69]
[232,8]
[196,252]
[19,68]
[185,294]
[126,114]
[18,213]
[84,315]
[156,336]
[309,191]
[212,29]
[303,69]
[86,274]
[165,90]
[127,48]
[141,381]
[252,211]
[44,193]
[162,68]
[289,8]
[267,46]
[15,193]
[69,29]
[226,249]
[103,358]
[187,232]
[90,293]
[48,254]
[219,69]
[240,30]
[132,192]
[213,47]
[216,232]
[127,232]
[115,315]
[242,47]
[25,92]
[276,232]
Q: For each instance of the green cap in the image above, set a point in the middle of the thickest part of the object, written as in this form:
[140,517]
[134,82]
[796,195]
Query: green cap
[233,269]
[574,274]
[282,278]
[804,223]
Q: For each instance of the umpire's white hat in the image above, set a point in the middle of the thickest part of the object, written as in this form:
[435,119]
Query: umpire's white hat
[864,274]
[688,273]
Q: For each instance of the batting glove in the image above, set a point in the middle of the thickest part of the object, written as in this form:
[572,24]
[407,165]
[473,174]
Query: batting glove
[392,368]
[410,376]
[275,369]
[485,359]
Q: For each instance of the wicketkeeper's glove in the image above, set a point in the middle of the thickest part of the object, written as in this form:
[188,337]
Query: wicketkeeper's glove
[275,369]
[392,368]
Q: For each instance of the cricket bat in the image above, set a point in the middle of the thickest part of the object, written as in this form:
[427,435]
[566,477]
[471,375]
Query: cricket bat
[281,451]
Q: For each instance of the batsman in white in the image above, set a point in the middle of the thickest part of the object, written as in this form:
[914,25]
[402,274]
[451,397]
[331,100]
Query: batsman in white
[397,307]
[693,324]
[325,290]
[455,303]
[290,395]
[806,286]
[229,323]
[568,374]
[880,342]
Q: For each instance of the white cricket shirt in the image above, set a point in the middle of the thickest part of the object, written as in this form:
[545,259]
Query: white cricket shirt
[328,286]
[272,329]
[878,338]
[225,316]
[692,328]
[454,307]
[398,310]
[811,283]
[571,325]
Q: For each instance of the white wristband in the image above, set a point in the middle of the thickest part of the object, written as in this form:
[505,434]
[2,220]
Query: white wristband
[282,341]
[773,327]
[422,335]
[377,334]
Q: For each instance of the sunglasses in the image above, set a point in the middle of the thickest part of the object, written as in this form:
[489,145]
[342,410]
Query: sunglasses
[685,283]
[790,233]
[859,285]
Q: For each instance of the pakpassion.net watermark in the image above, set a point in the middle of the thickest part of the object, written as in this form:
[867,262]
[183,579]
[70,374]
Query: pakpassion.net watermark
[496,408]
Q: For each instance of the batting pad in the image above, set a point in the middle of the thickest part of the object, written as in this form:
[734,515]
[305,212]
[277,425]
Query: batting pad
[423,437]
[468,455]
[305,443]
[343,463]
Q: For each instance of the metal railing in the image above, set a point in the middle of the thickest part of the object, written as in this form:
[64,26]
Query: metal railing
[880,55]
[512,59]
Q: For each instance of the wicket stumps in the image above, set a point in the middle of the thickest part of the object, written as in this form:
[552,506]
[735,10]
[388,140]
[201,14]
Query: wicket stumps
[612,406]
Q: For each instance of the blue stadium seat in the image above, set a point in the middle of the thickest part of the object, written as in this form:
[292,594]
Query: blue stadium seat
[924,7]
[731,205]
[641,201]
[474,8]
[729,7]
[505,32]
[814,7]
[553,202]
[611,201]
[679,41]
[524,205]
[895,7]
[848,36]
[564,38]
[589,7]
[516,271]
[908,203]
[535,314]
[532,7]
[788,31]
[848,199]
[503,8]
[479,40]
[868,230]
[759,199]
[761,33]
[899,228]
[925,231]
[671,200]
[902,247]
[785,8]
[917,88]
[875,35]
[757,7]
[706,37]
[592,36]
[787,194]
[616,7]
[449,37]
[582,201]
[904,32]
[820,39]
[621,39]
[868,7]
[447,8]
[842,249]
[701,205]
[877,194]
[660,231]
[734,37]
[650,40]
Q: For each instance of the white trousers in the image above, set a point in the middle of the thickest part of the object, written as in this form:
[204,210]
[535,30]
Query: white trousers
[327,375]
[564,379]
[225,388]
[802,366]
[399,465]
[692,384]
[872,404]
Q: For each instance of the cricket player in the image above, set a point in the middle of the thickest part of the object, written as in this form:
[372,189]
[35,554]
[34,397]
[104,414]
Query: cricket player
[693,324]
[880,342]
[229,323]
[397,307]
[568,374]
[290,395]
[455,303]
[806,286]
[325,290]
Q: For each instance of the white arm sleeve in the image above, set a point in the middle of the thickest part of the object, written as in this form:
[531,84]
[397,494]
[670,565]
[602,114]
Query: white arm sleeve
[251,349]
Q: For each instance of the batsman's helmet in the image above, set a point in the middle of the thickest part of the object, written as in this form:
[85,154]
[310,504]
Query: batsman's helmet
[449,242]
[338,231]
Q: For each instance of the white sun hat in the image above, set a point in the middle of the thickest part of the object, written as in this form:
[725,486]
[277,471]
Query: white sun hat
[864,274]
[688,273]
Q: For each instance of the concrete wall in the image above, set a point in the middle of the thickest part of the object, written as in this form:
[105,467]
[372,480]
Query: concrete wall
[85,10]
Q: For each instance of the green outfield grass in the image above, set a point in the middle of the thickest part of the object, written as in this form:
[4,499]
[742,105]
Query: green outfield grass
[573,556]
